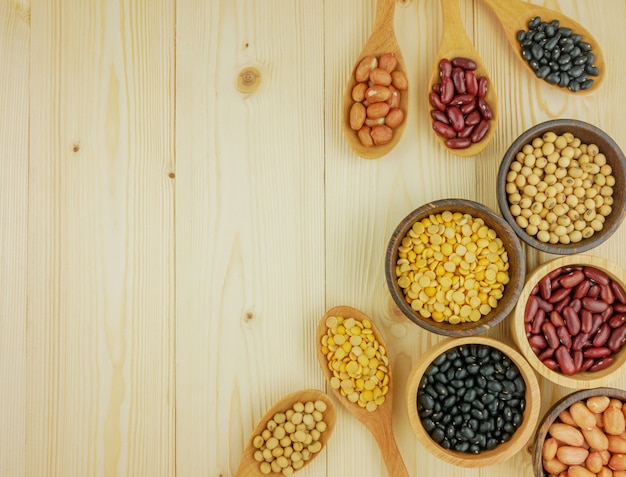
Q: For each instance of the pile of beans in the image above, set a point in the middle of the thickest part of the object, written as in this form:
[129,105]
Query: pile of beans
[471,398]
[587,440]
[575,319]
[452,267]
[376,110]
[558,55]
[358,362]
[559,189]
[290,438]
[461,113]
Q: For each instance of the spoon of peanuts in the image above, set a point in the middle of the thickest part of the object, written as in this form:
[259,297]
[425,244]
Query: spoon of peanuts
[354,359]
[290,434]
[375,102]
[462,99]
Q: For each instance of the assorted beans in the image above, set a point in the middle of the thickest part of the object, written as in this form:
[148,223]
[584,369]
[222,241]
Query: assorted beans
[558,55]
[376,110]
[452,267]
[587,440]
[290,438]
[358,362]
[471,398]
[559,189]
[460,111]
[575,319]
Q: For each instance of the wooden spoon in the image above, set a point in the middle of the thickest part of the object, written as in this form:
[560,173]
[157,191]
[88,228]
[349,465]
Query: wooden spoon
[379,422]
[250,467]
[514,16]
[455,43]
[382,40]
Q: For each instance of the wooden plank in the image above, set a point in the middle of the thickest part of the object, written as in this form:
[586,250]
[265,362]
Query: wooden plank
[101,239]
[14,96]
[249,219]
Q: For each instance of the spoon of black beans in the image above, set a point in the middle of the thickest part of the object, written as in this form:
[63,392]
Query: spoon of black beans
[557,49]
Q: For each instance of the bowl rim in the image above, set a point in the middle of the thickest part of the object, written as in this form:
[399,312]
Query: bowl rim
[513,248]
[552,413]
[526,137]
[504,451]
[584,380]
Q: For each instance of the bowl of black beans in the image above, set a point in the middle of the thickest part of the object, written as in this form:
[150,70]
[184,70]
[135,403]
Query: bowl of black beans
[473,401]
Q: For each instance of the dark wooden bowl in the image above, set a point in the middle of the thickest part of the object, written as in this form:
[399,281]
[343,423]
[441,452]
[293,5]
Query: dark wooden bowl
[588,134]
[517,266]
[553,414]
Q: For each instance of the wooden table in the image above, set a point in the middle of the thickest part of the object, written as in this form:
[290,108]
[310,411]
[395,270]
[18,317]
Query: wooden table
[179,208]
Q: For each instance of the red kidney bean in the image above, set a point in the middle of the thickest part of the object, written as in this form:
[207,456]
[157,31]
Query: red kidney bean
[556,273]
[617,338]
[579,340]
[572,322]
[482,86]
[599,352]
[545,287]
[558,295]
[593,305]
[437,88]
[445,67]
[576,305]
[438,115]
[467,131]
[619,308]
[531,308]
[618,291]
[606,314]
[471,83]
[581,289]
[606,294]
[596,323]
[456,118]
[562,304]
[577,357]
[564,336]
[594,291]
[556,319]
[458,77]
[565,361]
[587,363]
[535,289]
[468,107]
[551,364]
[617,320]
[527,328]
[443,129]
[465,63]
[601,364]
[537,322]
[572,279]
[536,350]
[549,332]
[596,275]
[586,321]
[485,109]
[458,142]
[544,305]
[601,336]
[473,118]
[435,100]
[538,341]
[480,131]
[546,353]
[461,99]
[447,90]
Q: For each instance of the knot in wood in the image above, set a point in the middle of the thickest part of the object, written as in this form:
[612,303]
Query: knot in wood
[248,80]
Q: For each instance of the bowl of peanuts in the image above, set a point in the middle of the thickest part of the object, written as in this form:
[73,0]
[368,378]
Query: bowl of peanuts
[561,186]
[570,321]
[454,267]
[583,435]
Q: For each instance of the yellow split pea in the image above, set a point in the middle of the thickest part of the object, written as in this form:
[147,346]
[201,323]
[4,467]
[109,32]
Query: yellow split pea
[358,362]
[452,267]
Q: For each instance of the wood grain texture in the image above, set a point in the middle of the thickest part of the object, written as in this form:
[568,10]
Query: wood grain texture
[14,97]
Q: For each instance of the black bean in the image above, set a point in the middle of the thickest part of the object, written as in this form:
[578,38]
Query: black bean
[477,413]
[591,58]
[576,71]
[487,398]
[487,369]
[565,58]
[536,51]
[481,381]
[493,406]
[467,432]
[521,35]
[576,37]
[469,382]
[474,449]
[470,395]
[574,85]
[575,52]
[443,367]
[539,36]
[564,79]
[428,424]
[460,373]
[473,368]
[483,352]
[478,405]
[592,70]
[517,418]
[438,434]
[494,386]
[553,78]
[446,419]
[457,383]
[564,31]
[587,84]
[507,414]
[445,443]
[534,22]
[450,374]
[486,426]
[449,401]
[491,443]
[442,358]
[584,46]
[426,401]
[465,407]
[520,385]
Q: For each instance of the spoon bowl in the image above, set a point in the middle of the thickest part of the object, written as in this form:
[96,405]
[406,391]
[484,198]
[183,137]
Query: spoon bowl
[248,466]
[382,40]
[455,43]
[514,16]
[379,422]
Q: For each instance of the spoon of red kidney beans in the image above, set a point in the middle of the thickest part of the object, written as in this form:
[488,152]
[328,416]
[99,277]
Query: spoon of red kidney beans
[575,319]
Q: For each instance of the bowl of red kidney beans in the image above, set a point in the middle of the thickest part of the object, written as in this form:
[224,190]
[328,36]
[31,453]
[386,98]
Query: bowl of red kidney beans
[570,321]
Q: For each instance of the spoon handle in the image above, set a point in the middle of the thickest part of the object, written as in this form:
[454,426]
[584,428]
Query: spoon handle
[390,452]
[385,10]
[453,32]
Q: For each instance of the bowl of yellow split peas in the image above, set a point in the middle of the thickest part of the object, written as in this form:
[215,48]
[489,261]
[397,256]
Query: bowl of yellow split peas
[454,267]
[561,186]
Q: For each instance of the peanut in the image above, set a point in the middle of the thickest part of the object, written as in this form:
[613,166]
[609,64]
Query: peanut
[594,462]
[358,92]
[377,93]
[571,455]
[618,462]
[394,118]
[377,110]
[381,134]
[617,444]
[398,79]
[365,136]
[567,434]
[579,471]
[380,76]
[554,466]
[605,472]
[550,446]
[566,418]
[598,404]
[614,422]
[366,65]
[596,439]
[388,62]
[357,116]
[582,415]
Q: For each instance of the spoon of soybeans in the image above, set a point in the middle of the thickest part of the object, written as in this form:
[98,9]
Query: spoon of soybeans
[455,44]
[251,466]
[515,15]
[381,138]
[374,404]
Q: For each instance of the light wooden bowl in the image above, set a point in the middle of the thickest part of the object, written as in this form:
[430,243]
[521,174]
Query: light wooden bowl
[517,266]
[553,414]
[588,134]
[582,380]
[505,450]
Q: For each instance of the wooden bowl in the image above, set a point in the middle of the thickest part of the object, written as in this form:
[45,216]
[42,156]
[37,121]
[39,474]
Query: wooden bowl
[505,450]
[517,266]
[588,134]
[553,414]
[581,380]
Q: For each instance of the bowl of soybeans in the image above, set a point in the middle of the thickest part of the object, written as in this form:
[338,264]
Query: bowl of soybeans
[583,435]
[454,267]
[561,186]
[570,321]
